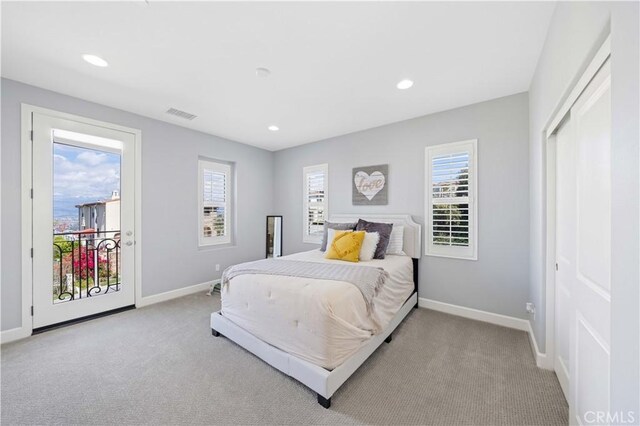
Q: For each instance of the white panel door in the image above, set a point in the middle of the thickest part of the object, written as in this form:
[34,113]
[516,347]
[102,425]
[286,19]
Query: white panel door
[583,252]
[83,258]
[591,284]
[565,249]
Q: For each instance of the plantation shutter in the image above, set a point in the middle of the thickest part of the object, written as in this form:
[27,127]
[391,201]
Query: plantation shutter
[214,203]
[315,202]
[450,195]
[451,200]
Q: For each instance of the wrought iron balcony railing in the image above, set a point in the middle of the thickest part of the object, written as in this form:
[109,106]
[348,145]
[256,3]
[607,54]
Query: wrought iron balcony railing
[85,264]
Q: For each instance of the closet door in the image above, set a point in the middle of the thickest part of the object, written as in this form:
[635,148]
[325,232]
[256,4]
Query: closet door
[591,283]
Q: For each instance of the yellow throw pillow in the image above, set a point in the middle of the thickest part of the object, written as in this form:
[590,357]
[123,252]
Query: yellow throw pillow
[346,246]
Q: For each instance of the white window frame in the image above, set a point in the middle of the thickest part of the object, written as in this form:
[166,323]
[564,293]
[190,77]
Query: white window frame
[306,237]
[458,252]
[221,167]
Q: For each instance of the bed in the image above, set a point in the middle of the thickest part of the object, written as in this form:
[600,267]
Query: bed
[320,331]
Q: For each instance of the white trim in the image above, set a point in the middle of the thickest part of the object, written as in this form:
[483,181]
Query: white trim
[475,314]
[79,118]
[27,112]
[174,294]
[26,219]
[14,334]
[469,252]
[19,333]
[138,216]
[542,360]
[571,94]
[550,249]
[600,57]
[0,225]
[320,380]
[306,238]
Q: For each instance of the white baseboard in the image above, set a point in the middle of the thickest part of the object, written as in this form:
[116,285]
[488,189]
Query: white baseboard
[475,314]
[541,359]
[173,294]
[18,333]
[14,334]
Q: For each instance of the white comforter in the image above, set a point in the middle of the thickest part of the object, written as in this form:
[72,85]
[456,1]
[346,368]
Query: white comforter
[321,321]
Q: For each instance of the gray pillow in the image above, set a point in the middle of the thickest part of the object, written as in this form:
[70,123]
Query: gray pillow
[384,229]
[339,227]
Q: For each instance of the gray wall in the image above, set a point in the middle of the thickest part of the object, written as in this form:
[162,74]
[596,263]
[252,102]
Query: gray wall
[498,280]
[576,32]
[170,258]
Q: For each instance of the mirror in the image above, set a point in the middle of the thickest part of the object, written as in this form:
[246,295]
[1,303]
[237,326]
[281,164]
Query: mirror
[274,236]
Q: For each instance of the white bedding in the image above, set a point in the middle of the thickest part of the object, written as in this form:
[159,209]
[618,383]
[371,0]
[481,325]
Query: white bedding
[321,321]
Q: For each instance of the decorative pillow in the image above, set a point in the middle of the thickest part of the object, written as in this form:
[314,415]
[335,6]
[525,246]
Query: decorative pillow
[384,229]
[345,246]
[331,234]
[330,225]
[396,241]
[369,245]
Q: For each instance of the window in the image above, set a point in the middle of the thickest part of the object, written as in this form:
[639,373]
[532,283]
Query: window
[214,202]
[316,186]
[450,200]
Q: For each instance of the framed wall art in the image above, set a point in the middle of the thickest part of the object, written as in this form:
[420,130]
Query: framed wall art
[370,185]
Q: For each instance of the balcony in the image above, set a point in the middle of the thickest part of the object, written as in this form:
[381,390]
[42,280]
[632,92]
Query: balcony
[85,264]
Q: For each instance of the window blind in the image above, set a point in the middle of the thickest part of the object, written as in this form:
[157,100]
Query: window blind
[450,202]
[315,202]
[214,202]
[450,194]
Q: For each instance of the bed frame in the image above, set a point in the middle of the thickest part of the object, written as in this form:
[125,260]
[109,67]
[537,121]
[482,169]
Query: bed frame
[322,381]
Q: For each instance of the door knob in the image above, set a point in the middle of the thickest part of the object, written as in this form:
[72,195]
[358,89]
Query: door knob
[129,233]
[129,243]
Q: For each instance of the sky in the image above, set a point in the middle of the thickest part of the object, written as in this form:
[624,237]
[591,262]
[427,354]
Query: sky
[447,167]
[82,175]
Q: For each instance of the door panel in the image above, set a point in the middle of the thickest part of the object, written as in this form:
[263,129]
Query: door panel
[591,383]
[583,251]
[591,337]
[565,249]
[593,132]
[85,266]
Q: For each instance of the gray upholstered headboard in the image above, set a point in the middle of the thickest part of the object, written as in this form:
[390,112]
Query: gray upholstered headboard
[412,245]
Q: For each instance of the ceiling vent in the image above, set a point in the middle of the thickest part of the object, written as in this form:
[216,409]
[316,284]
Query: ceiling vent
[181,114]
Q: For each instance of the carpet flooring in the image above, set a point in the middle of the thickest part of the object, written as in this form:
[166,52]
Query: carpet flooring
[160,365]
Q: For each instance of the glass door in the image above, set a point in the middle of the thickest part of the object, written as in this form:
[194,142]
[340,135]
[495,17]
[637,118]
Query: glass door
[83,196]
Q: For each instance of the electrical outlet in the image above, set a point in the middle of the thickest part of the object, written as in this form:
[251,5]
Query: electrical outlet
[531,308]
[217,267]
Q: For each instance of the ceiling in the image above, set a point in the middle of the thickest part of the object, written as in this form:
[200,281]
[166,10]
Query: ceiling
[334,66]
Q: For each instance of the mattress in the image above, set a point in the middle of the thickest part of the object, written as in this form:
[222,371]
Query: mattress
[321,321]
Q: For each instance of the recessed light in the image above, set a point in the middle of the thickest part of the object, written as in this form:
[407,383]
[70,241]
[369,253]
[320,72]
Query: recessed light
[263,72]
[95,60]
[274,128]
[404,84]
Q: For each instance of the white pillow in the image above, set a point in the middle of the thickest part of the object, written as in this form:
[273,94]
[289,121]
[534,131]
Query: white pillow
[369,244]
[396,240]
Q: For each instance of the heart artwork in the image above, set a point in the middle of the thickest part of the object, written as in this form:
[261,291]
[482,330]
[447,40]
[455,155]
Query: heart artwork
[369,184]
